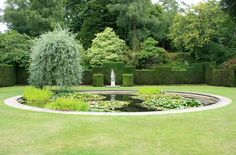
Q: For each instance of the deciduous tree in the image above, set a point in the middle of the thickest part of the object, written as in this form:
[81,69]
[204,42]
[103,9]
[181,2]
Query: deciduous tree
[56,60]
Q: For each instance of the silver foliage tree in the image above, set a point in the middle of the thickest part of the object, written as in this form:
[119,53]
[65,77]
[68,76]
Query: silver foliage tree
[55,60]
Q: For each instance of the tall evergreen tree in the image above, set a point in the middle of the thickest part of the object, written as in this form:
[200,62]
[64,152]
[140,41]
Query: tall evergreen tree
[73,14]
[133,20]
[34,17]
[88,17]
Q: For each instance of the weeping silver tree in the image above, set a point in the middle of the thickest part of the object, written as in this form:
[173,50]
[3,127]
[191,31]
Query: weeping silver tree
[55,60]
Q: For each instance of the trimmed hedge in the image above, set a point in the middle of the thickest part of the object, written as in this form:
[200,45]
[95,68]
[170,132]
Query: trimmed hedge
[128,80]
[22,76]
[220,77]
[164,75]
[144,77]
[98,80]
[87,78]
[195,74]
[7,75]
[209,66]
[223,77]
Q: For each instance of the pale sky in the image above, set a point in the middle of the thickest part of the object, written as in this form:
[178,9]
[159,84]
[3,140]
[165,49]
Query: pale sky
[3,27]
[190,2]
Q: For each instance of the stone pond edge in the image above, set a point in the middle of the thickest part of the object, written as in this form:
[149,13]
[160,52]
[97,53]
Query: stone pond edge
[222,102]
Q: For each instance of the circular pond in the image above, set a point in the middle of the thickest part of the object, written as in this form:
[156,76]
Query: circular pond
[135,104]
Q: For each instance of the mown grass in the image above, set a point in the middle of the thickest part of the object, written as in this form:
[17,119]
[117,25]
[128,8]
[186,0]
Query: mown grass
[210,132]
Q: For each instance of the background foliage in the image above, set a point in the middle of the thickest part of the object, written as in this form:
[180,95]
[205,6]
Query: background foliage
[205,31]
[202,24]
[15,48]
[34,17]
[150,54]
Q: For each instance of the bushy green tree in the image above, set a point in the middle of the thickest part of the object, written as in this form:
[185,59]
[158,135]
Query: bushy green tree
[216,52]
[107,46]
[167,11]
[55,60]
[34,17]
[150,54]
[134,20]
[201,24]
[15,48]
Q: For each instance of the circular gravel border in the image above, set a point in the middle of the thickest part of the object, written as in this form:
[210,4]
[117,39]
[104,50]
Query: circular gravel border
[221,102]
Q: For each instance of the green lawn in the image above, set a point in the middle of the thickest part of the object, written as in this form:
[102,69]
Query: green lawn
[201,133]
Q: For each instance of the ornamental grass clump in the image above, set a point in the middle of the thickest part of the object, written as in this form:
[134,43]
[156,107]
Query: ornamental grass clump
[55,60]
[66,104]
[149,91]
[32,95]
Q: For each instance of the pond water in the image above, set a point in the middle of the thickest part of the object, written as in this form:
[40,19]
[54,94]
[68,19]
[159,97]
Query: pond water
[134,105]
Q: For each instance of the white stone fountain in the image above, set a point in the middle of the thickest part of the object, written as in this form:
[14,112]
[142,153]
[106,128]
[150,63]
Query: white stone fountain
[113,78]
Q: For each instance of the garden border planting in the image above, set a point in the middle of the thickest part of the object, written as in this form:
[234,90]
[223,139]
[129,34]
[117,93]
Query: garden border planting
[222,101]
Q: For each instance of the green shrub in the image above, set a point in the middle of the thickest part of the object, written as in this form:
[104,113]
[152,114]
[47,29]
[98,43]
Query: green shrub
[128,80]
[66,104]
[149,91]
[15,48]
[107,47]
[32,94]
[151,55]
[7,75]
[56,60]
[178,66]
[98,80]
